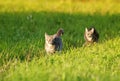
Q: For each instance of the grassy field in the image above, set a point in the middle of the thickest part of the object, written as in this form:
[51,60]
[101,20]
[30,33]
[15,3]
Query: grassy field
[22,28]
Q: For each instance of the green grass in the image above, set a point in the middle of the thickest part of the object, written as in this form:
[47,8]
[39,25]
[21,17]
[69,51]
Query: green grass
[22,54]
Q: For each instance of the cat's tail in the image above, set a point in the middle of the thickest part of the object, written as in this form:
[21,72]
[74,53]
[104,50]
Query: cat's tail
[60,32]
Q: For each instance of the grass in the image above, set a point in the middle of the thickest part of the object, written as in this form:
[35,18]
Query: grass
[22,28]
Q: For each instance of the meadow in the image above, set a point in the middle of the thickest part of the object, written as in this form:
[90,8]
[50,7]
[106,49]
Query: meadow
[22,28]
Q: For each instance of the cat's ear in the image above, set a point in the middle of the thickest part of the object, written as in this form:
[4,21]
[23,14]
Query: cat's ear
[92,30]
[86,30]
[46,35]
[62,31]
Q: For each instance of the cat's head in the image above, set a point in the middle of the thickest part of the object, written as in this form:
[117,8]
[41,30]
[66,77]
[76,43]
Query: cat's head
[49,39]
[89,33]
[60,32]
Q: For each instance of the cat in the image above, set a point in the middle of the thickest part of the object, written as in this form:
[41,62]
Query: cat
[91,36]
[53,43]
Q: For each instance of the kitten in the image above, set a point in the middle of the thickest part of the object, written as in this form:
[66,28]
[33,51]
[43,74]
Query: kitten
[53,43]
[91,36]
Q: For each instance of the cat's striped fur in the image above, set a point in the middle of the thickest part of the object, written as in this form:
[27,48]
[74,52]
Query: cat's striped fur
[53,43]
[91,36]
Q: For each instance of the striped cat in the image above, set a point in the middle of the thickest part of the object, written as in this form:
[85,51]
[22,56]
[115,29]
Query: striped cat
[53,43]
[91,36]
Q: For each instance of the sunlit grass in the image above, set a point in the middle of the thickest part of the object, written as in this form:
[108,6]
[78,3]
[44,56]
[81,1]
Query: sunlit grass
[68,6]
[100,62]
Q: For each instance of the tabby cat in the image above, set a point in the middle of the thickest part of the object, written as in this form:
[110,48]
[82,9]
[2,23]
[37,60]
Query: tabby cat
[53,43]
[91,36]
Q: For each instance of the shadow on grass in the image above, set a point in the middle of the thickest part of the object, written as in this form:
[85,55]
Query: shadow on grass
[22,34]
